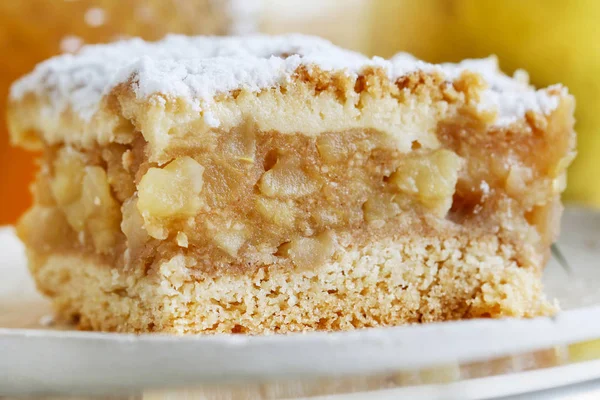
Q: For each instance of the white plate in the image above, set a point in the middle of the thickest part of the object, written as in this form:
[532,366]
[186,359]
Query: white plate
[462,355]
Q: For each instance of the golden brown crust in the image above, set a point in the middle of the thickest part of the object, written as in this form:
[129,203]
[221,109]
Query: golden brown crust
[323,101]
[391,282]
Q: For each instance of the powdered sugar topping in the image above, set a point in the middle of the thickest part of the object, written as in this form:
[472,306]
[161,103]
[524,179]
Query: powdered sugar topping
[198,68]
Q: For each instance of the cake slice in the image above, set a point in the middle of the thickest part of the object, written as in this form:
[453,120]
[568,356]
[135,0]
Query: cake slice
[277,184]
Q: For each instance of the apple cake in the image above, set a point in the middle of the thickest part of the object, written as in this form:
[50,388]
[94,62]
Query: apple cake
[279,183]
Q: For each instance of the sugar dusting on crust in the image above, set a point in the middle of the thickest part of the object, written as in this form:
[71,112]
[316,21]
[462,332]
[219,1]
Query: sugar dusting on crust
[198,68]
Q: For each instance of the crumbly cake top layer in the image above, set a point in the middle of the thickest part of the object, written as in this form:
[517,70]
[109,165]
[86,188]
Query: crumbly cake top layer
[198,68]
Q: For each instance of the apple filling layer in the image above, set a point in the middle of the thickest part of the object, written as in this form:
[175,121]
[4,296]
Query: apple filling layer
[245,199]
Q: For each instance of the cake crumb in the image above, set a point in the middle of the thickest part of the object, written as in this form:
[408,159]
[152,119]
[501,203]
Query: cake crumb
[127,160]
[485,188]
[182,239]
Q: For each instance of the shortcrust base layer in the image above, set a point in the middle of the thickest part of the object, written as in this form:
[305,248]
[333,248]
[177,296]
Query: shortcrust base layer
[391,282]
